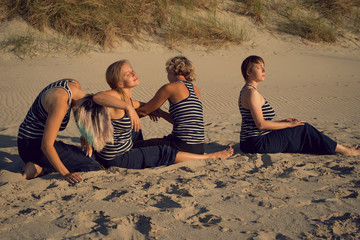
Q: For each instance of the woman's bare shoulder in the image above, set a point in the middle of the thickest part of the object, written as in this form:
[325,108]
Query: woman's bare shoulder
[249,92]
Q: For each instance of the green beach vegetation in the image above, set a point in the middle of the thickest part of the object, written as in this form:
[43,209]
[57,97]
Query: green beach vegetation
[80,26]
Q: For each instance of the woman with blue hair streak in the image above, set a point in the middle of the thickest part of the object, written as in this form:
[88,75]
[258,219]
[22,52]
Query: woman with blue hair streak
[37,144]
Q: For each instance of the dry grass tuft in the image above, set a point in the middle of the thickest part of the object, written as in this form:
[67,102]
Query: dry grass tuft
[334,10]
[308,25]
[253,8]
[204,31]
[31,44]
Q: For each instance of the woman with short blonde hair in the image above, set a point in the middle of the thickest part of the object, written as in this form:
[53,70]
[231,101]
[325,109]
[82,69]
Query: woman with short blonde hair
[185,111]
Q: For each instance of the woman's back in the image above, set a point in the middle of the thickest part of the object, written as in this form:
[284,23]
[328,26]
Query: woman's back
[34,122]
[187,115]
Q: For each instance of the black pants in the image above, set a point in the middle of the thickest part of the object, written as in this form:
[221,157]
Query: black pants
[71,156]
[300,139]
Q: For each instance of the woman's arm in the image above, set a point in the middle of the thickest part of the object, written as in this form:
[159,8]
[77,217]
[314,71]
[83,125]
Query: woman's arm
[154,115]
[106,99]
[166,116]
[136,104]
[56,105]
[156,102]
[254,101]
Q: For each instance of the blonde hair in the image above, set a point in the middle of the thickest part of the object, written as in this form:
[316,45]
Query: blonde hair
[94,122]
[113,77]
[180,65]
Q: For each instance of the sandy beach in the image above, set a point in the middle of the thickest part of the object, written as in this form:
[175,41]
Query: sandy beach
[249,196]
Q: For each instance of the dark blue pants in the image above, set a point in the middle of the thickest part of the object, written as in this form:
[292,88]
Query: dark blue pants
[71,156]
[144,157]
[172,141]
[300,139]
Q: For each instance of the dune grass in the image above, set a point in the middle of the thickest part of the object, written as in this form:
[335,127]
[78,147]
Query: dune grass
[253,8]
[21,46]
[314,20]
[31,44]
[105,23]
[321,20]
[308,26]
[206,31]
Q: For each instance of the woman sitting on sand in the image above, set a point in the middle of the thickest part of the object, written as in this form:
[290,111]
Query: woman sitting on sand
[116,149]
[259,134]
[37,145]
[186,110]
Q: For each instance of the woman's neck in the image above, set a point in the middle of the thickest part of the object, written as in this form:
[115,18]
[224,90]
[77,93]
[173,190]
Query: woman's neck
[125,91]
[180,77]
[252,83]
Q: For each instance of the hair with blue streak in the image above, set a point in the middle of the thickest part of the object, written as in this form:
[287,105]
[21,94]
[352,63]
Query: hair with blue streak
[93,122]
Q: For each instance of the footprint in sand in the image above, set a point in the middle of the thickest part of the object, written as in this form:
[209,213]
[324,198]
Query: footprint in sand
[164,202]
[337,226]
[115,195]
[175,189]
[203,219]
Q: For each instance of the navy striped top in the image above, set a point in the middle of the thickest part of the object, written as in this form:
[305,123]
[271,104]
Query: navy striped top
[248,127]
[34,123]
[188,120]
[122,139]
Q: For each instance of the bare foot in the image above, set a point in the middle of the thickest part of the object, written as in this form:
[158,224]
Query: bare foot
[355,151]
[32,170]
[225,153]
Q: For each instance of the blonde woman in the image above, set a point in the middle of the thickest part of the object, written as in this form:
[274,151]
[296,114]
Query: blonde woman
[185,111]
[118,151]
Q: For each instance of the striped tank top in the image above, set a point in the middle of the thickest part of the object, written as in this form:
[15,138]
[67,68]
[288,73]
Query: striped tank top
[188,120]
[122,139]
[34,123]
[248,127]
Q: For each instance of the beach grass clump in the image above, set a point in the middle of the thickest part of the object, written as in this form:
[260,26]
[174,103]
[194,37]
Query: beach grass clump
[31,44]
[104,22]
[101,21]
[207,31]
[97,20]
[334,10]
[20,45]
[197,4]
[309,27]
[356,27]
[253,8]
[342,14]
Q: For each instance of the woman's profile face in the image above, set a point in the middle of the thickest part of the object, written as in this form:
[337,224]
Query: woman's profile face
[257,72]
[128,76]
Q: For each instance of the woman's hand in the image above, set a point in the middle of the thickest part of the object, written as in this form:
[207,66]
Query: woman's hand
[85,145]
[294,122]
[72,178]
[155,115]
